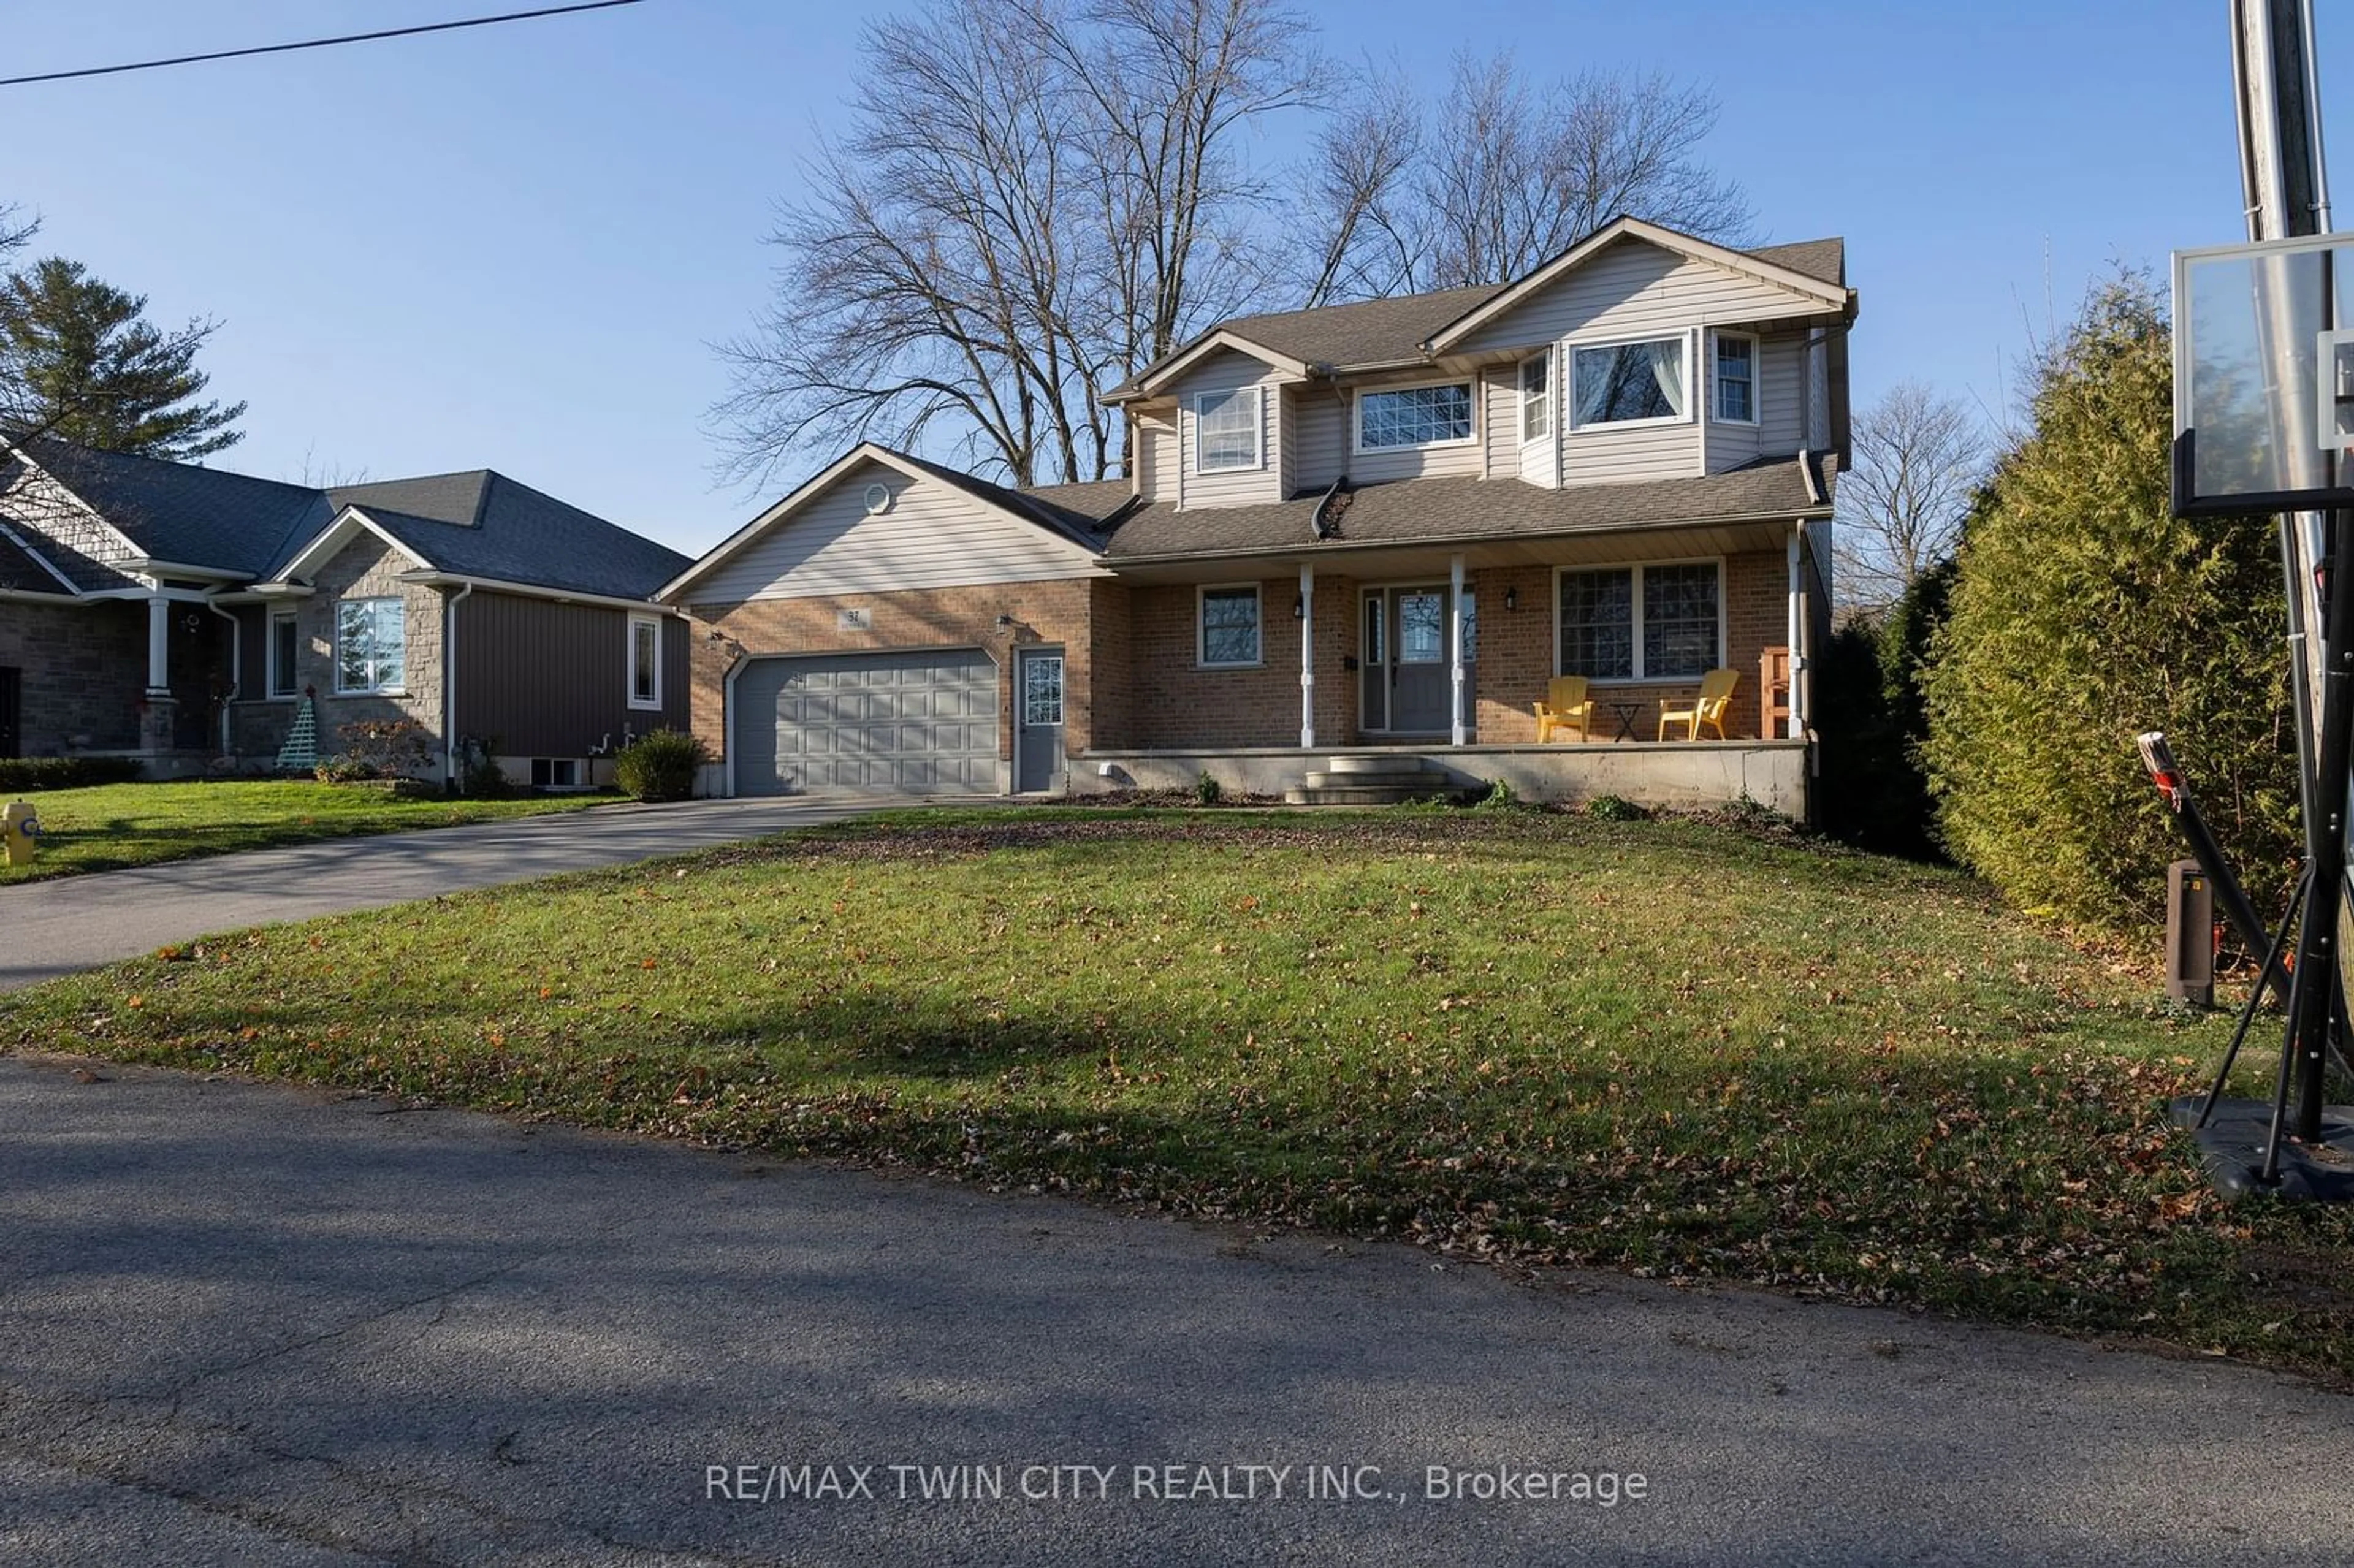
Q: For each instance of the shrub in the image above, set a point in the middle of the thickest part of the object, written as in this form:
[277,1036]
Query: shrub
[1872,793]
[659,766]
[66,772]
[2082,612]
[1614,809]
[479,773]
[376,748]
[1499,797]
[1207,790]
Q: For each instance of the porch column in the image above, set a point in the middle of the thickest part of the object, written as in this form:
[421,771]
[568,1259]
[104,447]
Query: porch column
[1455,646]
[1798,622]
[159,636]
[1307,657]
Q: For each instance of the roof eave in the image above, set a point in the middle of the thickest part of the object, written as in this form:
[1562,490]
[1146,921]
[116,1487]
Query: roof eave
[435,577]
[1808,513]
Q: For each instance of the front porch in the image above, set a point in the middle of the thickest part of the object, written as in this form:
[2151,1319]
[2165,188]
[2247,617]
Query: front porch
[1675,773]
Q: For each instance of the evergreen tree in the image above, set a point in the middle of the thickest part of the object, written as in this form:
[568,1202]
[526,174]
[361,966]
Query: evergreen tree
[88,368]
[2083,611]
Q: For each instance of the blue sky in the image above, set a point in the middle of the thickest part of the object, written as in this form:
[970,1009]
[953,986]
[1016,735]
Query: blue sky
[509,247]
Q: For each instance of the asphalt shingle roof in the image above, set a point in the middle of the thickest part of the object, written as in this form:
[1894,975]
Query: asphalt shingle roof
[480,523]
[1043,504]
[1821,259]
[1421,509]
[180,513]
[21,573]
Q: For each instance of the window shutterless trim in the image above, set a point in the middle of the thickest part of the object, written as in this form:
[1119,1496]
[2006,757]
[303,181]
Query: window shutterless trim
[1522,399]
[377,688]
[1257,396]
[1202,661]
[1635,622]
[655,703]
[280,684]
[1470,385]
[1757,375]
[1569,382]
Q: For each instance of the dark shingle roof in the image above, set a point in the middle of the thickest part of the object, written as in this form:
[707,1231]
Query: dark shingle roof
[180,513]
[1088,502]
[484,524]
[1821,259]
[1421,509]
[21,573]
[1037,505]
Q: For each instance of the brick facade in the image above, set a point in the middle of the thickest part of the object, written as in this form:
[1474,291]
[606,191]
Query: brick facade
[1041,614]
[1134,680]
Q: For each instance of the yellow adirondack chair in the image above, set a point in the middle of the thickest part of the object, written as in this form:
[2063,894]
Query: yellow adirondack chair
[1566,706]
[1708,708]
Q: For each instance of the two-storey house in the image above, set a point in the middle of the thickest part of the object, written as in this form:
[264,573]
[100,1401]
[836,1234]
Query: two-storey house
[1352,529]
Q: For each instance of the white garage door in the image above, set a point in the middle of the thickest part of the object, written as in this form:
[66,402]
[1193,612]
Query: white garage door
[920,723]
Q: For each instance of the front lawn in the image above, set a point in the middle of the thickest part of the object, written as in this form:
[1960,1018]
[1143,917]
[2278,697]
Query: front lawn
[110,826]
[1683,1049]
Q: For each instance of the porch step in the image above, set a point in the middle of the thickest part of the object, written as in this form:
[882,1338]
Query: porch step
[1376,780]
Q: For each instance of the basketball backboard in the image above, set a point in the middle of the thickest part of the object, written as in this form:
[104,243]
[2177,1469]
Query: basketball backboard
[2264,377]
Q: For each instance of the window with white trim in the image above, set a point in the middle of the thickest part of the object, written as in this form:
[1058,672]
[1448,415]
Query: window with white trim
[1536,398]
[1736,378]
[1642,623]
[1229,620]
[371,646]
[645,662]
[1226,428]
[1630,383]
[285,646]
[1395,417]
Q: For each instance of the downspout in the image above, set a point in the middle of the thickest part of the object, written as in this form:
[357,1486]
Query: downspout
[450,687]
[1795,631]
[235,669]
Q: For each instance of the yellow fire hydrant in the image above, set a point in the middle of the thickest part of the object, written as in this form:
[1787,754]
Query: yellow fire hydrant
[19,829]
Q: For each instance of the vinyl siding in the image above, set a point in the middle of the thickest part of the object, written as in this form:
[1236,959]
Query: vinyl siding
[1634,289]
[1322,447]
[1235,487]
[1538,462]
[1781,414]
[538,678]
[934,535]
[1732,444]
[1156,462]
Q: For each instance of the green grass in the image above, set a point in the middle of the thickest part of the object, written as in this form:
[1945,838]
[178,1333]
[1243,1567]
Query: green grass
[1683,1049]
[112,826]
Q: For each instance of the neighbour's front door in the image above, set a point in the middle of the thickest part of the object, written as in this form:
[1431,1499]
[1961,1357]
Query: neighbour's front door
[1038,730]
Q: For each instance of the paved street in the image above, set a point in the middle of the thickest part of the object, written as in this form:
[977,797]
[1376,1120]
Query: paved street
[52,929]
[254,1324]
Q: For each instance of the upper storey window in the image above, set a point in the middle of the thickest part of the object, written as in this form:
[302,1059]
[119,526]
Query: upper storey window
[1227,426]
[1413,417]
[1736,378]
[1631,382]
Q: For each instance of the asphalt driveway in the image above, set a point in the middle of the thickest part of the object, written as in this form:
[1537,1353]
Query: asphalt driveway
[52,929]
[248,1323]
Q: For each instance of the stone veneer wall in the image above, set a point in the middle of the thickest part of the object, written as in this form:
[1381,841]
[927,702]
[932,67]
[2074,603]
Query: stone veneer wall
[85,670]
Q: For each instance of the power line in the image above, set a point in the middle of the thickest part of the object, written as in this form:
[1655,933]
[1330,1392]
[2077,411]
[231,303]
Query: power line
[316,43]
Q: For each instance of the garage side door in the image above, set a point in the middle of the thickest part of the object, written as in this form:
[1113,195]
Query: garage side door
[920,723]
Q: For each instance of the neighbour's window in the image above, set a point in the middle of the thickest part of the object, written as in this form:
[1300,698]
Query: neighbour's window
[285,643]
[1641,623]
[1536,397]
[1413,417]
[645,662]
[1227,431]
[1736,379]
[371,645]
[1624,383]
[1230,626]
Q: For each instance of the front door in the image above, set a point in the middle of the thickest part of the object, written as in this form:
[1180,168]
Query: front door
[1407,676]
[1038,733]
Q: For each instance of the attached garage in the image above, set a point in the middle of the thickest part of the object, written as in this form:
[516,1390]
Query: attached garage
[919,722]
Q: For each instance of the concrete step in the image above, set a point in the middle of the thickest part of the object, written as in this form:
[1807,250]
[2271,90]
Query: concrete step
[1389,778]
[1365,795]
[1390,762]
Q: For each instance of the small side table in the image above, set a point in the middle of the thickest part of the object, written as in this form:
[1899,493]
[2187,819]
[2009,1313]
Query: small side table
[1626,711]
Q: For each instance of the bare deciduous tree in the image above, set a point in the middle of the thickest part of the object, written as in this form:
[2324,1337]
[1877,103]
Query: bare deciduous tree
[1918,459]
[1504,174]
[1034,200]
